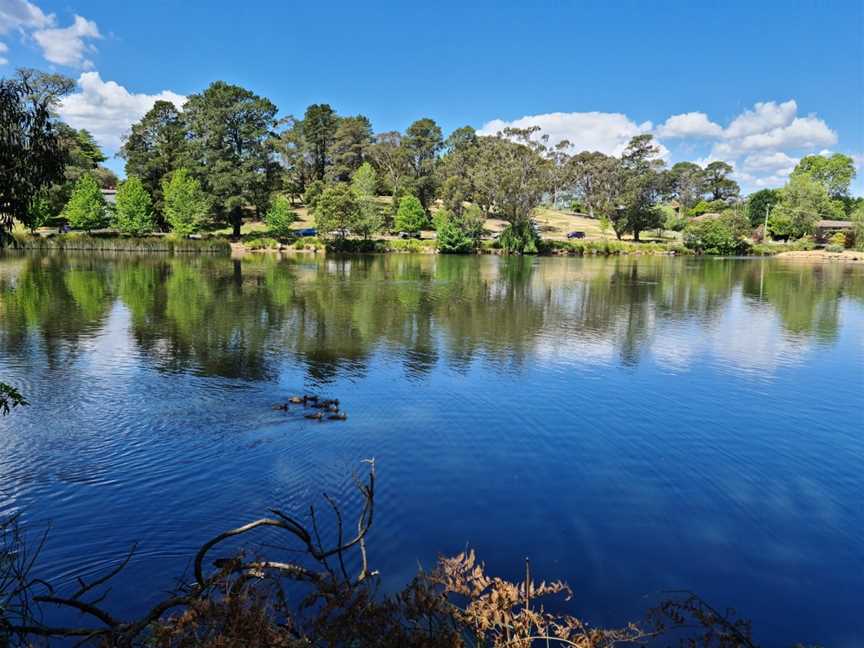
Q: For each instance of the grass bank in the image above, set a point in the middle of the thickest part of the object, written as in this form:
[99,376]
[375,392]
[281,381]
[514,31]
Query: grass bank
[100,243]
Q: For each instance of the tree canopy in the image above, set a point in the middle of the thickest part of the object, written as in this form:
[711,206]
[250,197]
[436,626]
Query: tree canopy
[835,173]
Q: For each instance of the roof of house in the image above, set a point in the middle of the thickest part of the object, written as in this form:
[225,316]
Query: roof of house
[834,224]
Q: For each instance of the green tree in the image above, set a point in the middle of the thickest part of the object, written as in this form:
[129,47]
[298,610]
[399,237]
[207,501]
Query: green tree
[640,183]
[718,183]
[318,130]
[390,159]
[280,217]
[803,202]
[185,204]
[686,184]
[858,226]
[365,181]
[156,146]
[336,212]
[86,207]
[835,172]
[591,177]
[351,141]
[421,143]
[134,211]
[760,203]
[231,149]
[313,193]
[410,217]
[370,218]
[31,155]
[510,175]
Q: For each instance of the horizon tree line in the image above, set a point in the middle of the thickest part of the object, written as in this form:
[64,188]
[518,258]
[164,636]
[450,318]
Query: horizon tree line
[235,158]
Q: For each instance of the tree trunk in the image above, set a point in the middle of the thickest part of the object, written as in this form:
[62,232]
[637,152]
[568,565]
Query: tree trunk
[236,221]
[636,235]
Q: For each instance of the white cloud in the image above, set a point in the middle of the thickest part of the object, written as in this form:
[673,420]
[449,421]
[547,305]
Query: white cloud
[765,116]
[587,131]
[692,124]
[21,15]
[765,161]
[67,45]
[107,109]
[3,49]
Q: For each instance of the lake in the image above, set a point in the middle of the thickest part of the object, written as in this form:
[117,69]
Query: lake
[633,425]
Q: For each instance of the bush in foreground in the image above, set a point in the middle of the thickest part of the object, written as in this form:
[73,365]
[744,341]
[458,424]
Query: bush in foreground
[280,217]
[133,214]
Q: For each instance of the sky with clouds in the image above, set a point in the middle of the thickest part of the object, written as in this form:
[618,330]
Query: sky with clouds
[756,84]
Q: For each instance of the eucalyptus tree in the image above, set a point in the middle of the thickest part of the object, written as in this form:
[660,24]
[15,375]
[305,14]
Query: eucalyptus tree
[31,154]
[390,158]
[591,176]
[835,172]
[230,132]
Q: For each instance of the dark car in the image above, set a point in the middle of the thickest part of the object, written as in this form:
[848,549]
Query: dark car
[307,231]
[576,235]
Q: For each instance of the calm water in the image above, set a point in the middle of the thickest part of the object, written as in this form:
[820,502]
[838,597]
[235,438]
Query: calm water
[632,425]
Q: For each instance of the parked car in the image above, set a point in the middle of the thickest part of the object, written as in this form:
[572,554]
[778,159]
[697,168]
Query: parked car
[409,235]
[307,231]
[576,235]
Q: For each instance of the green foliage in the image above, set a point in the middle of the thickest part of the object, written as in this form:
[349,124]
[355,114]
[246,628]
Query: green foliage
[858,227]
[31,156]
[834,173]
[761,202]
[410,217]
[79,242]
[318,130]
[364,182]
[717,181]
[450,236]
[133,214]
[313,191]
[834,247]
[421,144]
[10,398]
[230,152]
[86,207]
[803,202]
[262,243]
[707,207]
[336,212]
[184,203]
[347,152]
[519,238]
[41,211]
[280,217]
[723,235]
[155,148]
[370,218]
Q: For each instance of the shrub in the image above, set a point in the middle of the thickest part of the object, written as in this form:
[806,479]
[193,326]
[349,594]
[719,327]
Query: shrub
[452,240]
[410,217]
[86,207]
[280,217]
[834,247]
[262,243]
[134,213]
[724,235]
[519,238]
[185,205]
[838,239]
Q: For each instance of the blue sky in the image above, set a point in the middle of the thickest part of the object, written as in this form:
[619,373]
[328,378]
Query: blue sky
[756,83]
